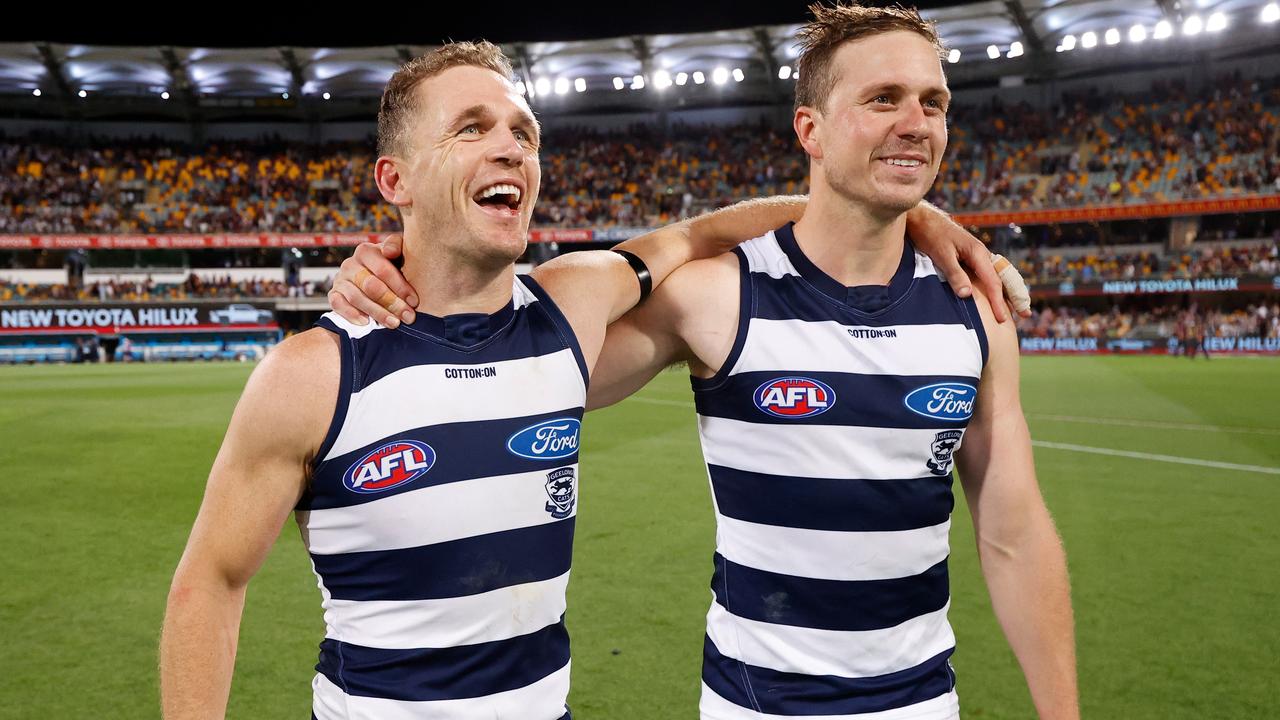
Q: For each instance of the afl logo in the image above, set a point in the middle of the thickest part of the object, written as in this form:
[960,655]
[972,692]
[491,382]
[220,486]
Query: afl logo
[794,397]
[942,401]
[548,440]
[391,465]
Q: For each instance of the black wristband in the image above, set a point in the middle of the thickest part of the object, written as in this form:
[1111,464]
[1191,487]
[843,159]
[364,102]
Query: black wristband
[642,273]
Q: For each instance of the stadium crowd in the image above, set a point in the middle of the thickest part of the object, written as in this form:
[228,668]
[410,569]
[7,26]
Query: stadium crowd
[1092,148]
[1160,322]
[1039,266]
[193,288]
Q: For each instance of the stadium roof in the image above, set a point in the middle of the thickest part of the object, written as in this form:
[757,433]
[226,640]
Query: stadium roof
[1029,40]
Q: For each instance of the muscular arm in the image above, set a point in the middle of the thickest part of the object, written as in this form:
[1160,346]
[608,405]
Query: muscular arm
[594,288]
[255,482]
[1022,557]
[692,318]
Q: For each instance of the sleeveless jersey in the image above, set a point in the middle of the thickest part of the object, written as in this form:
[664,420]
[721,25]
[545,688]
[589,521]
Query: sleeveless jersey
[440,516]
[828,436]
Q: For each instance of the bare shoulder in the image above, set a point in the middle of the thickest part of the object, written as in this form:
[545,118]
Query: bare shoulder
[700,304]
[292,394]
[696,282]
[997,332]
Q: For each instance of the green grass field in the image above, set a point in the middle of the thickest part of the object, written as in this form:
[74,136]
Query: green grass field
[1175,566]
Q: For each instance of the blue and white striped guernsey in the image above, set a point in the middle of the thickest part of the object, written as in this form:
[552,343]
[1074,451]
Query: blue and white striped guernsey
[440,516]
[828,436]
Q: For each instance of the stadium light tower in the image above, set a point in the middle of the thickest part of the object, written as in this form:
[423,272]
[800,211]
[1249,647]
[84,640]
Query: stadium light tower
[1137,34]
[580,85]
[1069,43]
[993,52]
[637,82]
[1112,37]
[738,75]
[698,77]
[617,83]
[1192,26]
[1271,13]
[682,78]
[784,72]
[1162,30]
[1015,50]
[562,86]
[1217,22]
[953,57]
[1088,40]
[661,80]
[720,76]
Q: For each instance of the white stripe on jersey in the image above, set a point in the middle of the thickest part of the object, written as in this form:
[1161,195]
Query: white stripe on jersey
[925,268]
[353,331]
[433,514]
[943,707]
[827,346]
[817,451]
[448,622]
[843,653]
[832,554]
[421,395]
[765,255]
[543,700]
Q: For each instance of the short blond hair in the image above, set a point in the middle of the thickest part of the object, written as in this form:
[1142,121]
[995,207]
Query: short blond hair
[399,103]
[831,27]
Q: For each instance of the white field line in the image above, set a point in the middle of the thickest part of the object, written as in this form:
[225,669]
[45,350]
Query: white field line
[1085,448]
[1158,424]
[1159,458]
[659,401]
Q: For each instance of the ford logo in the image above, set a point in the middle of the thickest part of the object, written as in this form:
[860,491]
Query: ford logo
[548,440]
[942,401]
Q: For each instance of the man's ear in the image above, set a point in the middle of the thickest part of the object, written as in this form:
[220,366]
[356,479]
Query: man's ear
[806,123]
[386,173]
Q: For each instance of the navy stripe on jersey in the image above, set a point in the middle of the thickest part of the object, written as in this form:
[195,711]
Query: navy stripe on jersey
[848,605]
[530,333]
[464,451]
[345,383]
[454,568]
[832,504]
[744,316]
[861,400]
[790,694]
[562,326]
[422,674]
[975,321]
[928,302]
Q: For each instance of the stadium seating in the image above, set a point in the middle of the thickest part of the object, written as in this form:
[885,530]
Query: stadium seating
[1164,144]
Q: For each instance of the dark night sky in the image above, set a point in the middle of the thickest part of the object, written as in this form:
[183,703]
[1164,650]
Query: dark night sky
[227,24]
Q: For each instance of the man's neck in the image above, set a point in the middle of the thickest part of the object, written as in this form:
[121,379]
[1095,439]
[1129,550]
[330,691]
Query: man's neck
[448,284]
[849,242]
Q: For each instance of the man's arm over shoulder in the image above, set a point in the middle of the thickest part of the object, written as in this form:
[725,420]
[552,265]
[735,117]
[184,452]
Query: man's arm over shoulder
[256,480]
[594,288]
[692,317]
[1022,557]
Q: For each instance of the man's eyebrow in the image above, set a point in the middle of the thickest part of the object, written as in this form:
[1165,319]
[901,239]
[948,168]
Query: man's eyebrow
[475,112]
[899,88]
